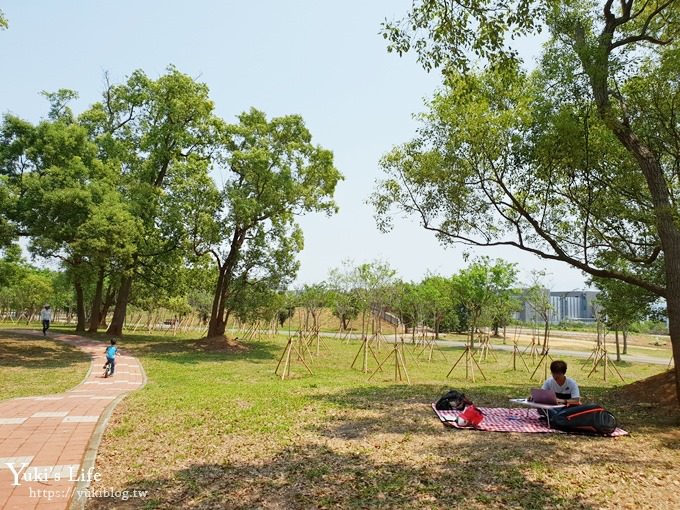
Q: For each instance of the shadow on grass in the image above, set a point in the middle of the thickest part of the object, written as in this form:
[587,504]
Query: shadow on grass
[184,350]
[28,351]
[316,476]
[396,405]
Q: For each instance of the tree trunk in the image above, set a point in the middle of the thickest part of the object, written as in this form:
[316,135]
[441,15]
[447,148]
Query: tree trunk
[618,347]
[217,326]
[625,341]
[108,302]
[545,337]
[596,66]
[97,302]
[413,328]
[80,306]
[118,320]
[673,302]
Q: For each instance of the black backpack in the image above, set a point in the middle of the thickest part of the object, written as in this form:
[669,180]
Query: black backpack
[586,419]
[452,401]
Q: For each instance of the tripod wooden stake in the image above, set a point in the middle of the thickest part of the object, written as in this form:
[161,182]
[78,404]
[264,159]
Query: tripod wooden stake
[533,347]
[290,348]
[347,335]
[470,363]
[403,351]
[315,339]
[485,348]
[365,347]
[399,364]
[603,357]
[516,352]
[543,361]
[430,346]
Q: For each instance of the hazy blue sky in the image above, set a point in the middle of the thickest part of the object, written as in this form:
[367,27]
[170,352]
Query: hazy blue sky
[321,59]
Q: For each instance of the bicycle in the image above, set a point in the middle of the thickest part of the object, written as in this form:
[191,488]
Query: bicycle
[108,369]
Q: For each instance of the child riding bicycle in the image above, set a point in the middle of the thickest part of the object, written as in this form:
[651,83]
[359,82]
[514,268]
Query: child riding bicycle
[111,352]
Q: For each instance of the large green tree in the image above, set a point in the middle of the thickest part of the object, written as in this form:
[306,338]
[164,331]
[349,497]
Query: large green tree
[158,133]
[584,166]
[63,197]
[271,172]
[12,265]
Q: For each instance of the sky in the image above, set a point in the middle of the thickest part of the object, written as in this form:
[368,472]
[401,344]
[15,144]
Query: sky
[323,60]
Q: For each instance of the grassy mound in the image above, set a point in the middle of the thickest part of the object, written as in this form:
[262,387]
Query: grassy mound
[658,389]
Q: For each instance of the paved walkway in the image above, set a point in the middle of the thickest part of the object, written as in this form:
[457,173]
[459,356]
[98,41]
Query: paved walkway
[48,444]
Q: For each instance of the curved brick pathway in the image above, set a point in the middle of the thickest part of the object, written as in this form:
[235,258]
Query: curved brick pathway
[48,443]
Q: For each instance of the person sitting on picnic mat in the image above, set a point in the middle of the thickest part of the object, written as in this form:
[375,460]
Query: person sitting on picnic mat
[565,388]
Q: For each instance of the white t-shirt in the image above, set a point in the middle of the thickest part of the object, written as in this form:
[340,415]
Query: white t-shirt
[568,388]
[46,315]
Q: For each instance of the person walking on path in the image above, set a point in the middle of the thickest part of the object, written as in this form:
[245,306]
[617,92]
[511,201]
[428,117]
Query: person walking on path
[46,317]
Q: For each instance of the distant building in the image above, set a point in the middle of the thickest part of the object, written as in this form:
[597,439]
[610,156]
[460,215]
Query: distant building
[569,306]
[573,306]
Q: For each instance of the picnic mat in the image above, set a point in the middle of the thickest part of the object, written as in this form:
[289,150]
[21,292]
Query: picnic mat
[500,419]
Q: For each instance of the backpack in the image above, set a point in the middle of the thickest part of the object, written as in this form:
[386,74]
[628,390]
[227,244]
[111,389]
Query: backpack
[586,419]
[452,401]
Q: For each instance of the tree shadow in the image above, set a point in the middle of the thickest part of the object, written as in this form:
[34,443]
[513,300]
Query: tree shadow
[28,351]
[395,406]
[316,476]
[192,351]
[188,350]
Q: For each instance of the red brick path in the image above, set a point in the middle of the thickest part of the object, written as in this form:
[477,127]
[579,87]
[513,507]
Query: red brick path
[46,440]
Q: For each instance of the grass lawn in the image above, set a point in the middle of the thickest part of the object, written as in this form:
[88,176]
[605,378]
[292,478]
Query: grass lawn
[219,430]
[32,365]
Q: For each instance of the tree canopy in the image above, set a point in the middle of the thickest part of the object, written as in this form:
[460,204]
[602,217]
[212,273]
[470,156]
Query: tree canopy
[575,161]
[122,196]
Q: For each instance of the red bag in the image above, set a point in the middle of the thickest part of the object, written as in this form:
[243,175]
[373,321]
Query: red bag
[472,415]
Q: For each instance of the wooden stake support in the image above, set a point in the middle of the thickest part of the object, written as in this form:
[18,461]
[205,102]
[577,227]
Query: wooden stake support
[347,335]
[430,346]
[606,365]
[290,348]
[399,364]
[533,349]
[469,356]
[543,361]
[485,348]
[314,339]
[516,352]
[365,347]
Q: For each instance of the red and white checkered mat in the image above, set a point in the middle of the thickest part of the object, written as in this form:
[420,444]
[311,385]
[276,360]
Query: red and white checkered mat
[500,419]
